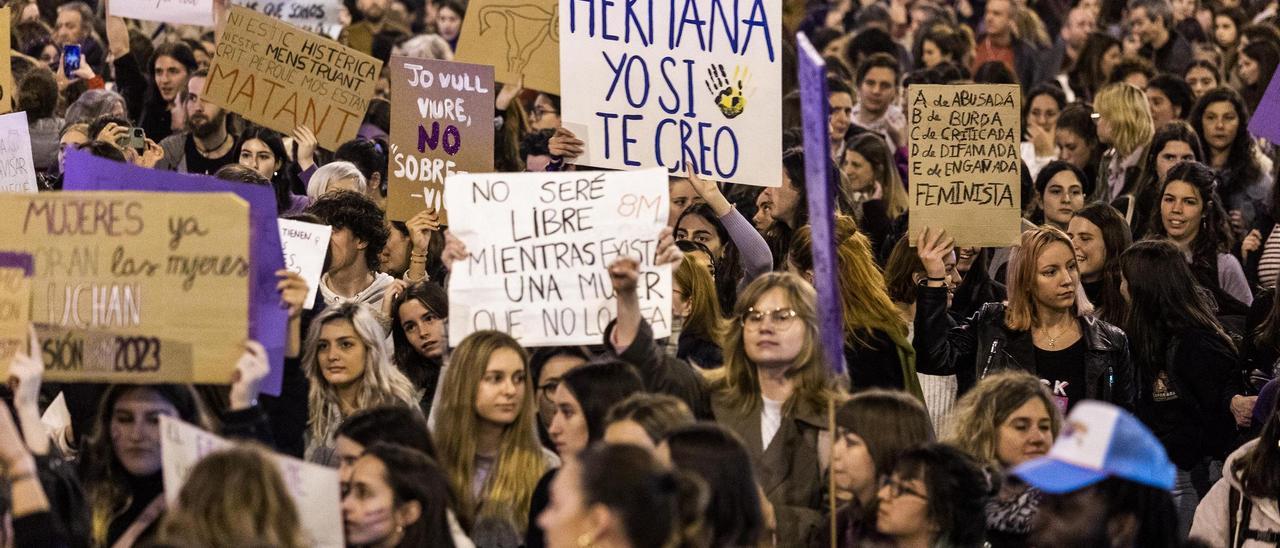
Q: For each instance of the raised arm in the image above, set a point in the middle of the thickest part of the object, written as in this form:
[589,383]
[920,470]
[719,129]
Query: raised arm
[756,256]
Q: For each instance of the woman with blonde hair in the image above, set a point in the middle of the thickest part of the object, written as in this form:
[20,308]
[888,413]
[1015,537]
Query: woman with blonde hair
[485,435]
[772,391]
[257,511]
[876,348]
[1045,327]
[1007,419]
[696,309]
[1124,123]
[349,368]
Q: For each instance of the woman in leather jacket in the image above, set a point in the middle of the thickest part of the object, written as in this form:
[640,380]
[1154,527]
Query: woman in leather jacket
[1044,327]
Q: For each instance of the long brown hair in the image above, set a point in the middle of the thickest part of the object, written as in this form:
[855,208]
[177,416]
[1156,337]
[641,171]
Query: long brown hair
[739,382]
[105,479]
[1021,314]
[258,510]
[520,463]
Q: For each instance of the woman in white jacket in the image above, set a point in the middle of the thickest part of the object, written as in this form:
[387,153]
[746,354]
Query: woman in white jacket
[1240,510]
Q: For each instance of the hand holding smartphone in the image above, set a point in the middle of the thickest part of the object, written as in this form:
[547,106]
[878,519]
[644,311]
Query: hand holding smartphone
[70,59]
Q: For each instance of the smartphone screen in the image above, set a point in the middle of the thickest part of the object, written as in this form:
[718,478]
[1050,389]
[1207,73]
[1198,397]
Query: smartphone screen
[70,59]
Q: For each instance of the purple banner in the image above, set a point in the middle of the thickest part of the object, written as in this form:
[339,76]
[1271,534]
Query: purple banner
[1266,120]
[817,146]
[268,323]
[11,259]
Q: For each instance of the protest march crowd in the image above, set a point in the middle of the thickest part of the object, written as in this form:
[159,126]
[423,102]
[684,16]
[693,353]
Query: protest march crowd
[1105,376]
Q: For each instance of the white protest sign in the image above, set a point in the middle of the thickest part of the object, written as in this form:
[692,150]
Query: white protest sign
[318,16]
[540,246]
[17,172]
[305,245]
[178,12]
[314,488]
[662,83]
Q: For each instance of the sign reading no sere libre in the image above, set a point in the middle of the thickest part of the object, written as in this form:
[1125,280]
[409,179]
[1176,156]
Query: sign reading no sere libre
[540,246]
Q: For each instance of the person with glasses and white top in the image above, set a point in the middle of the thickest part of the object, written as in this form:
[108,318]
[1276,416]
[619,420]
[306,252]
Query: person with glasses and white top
[771,392]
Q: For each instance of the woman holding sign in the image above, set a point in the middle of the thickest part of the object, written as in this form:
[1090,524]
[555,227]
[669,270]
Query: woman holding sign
[1044,328]
[772,390]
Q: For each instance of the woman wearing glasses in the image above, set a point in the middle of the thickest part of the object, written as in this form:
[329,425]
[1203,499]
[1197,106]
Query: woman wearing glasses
[934,497]
[771,392]
[1045,327]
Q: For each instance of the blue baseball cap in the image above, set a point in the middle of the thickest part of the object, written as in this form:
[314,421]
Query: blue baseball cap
[1100,440]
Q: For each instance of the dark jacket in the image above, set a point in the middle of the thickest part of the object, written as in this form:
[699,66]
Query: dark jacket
[789,470]
[983,345]
[1194,421]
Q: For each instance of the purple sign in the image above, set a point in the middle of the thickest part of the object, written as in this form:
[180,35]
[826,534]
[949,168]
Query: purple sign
[1266,120]
[10,259]
[268,323]
[813,108]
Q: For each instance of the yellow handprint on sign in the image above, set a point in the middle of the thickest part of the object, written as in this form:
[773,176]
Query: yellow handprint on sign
[728,96]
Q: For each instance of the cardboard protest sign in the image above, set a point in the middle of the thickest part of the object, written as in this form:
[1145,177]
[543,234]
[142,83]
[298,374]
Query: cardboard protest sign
[15,306]
[7,88]
[964,162]
[135,287]
[517,38]
[441,124]
[305,245]
[268,322]
[659,84]
[281,77]
[315,489]
[17,171]
[540,245]
[813,105]
[1265,122]
[178,12]
[318,16]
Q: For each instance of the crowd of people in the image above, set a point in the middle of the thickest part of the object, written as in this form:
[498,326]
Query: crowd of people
[1109,381]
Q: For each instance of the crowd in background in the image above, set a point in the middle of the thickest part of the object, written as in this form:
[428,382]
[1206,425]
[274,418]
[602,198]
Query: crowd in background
[1107,382]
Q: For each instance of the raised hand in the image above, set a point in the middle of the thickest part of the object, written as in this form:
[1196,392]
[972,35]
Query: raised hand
[293,292]
[932,247]
[564,144]
[306,141]
[246,381]
[420,226]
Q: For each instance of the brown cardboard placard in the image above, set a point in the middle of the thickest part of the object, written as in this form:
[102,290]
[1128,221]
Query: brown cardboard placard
[441,124]
[281,77]
[15,311]
[964,162]
[7,87]
[517,37]
[139,287]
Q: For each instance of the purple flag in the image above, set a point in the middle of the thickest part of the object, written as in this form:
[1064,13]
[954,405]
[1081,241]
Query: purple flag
[817,149]
[268,323]
[1266,121]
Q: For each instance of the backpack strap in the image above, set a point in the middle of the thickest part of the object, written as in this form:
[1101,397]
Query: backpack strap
[1234,515]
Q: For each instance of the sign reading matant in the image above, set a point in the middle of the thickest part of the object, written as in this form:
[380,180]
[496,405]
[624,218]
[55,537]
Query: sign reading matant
[540,246]
[441,124]
[135,287]
[965,161]
[282,77]
[662,83]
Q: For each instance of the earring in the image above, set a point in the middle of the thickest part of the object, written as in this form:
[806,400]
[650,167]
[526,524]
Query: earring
[585,540]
